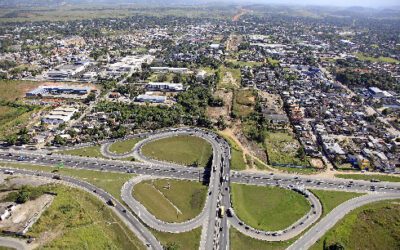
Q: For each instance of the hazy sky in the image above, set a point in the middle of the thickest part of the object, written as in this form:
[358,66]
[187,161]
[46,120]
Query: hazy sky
[369,3]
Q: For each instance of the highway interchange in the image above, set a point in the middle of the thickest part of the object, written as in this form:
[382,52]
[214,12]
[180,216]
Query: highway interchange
[215,228]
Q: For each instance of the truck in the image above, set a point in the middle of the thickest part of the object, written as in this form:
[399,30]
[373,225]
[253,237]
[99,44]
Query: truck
[221,212]
[10,172]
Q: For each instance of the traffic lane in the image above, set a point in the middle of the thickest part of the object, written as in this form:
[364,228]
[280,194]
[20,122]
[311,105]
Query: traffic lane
[138,168]
[193,173]
[340,185]
[13,243]
[141,231]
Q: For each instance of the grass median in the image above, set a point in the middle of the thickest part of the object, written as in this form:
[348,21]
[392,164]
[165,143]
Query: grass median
[331,199]
[92,151]
[373,226]
[109,181]
[125,146]
[181,241]
[268,208]
[186,150]
[171,200]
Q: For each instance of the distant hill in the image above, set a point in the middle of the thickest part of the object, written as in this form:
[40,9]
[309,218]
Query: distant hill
[55,3]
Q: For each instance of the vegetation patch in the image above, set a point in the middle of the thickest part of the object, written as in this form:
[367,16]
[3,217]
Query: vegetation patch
[237,161]
[268,208]
[186,150]
[171,200]
[374,226]
[239,241]
[78,220]
[282,148]
[228,78]
[109,181]
[186,240]
[244,101]
[380,59]
[14,113]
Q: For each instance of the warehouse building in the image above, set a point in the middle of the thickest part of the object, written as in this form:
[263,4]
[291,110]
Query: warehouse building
[59,115]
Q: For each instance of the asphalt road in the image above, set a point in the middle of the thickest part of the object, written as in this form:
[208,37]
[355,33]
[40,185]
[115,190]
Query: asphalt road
[13,243]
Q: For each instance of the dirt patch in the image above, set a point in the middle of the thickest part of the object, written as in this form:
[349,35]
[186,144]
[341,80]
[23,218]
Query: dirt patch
[14,182]
[215,112]
[23,216]
[241,12]
[317,163]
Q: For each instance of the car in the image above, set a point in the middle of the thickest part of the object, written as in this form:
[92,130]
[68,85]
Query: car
[111,203]
[374,180]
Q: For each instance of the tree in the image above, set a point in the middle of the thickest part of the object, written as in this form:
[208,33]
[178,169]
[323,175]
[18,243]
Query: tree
[11,139]
[59,140]
[221,124]
[172,246]
[90,98]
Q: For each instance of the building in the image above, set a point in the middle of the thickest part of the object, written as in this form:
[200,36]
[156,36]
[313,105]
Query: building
[164,86]
[67,70]
[151,98]
[59,115]
[378,93]
[59,91]
[169,70]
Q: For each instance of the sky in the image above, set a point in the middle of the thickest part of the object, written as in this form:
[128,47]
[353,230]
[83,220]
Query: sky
[366,3]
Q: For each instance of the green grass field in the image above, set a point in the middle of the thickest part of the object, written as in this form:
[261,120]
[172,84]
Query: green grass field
[244,64]
[78,220]
[268,208]
[374,226]
[92,151]
[282,148]
[125,146]
[331,199]
[367,177]
[239,241]
[181,241]
[182,201]
[109,181]
[186,150]
[381,59]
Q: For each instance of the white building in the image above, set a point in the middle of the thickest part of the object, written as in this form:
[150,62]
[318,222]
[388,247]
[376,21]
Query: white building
[164,86]
[59,115]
